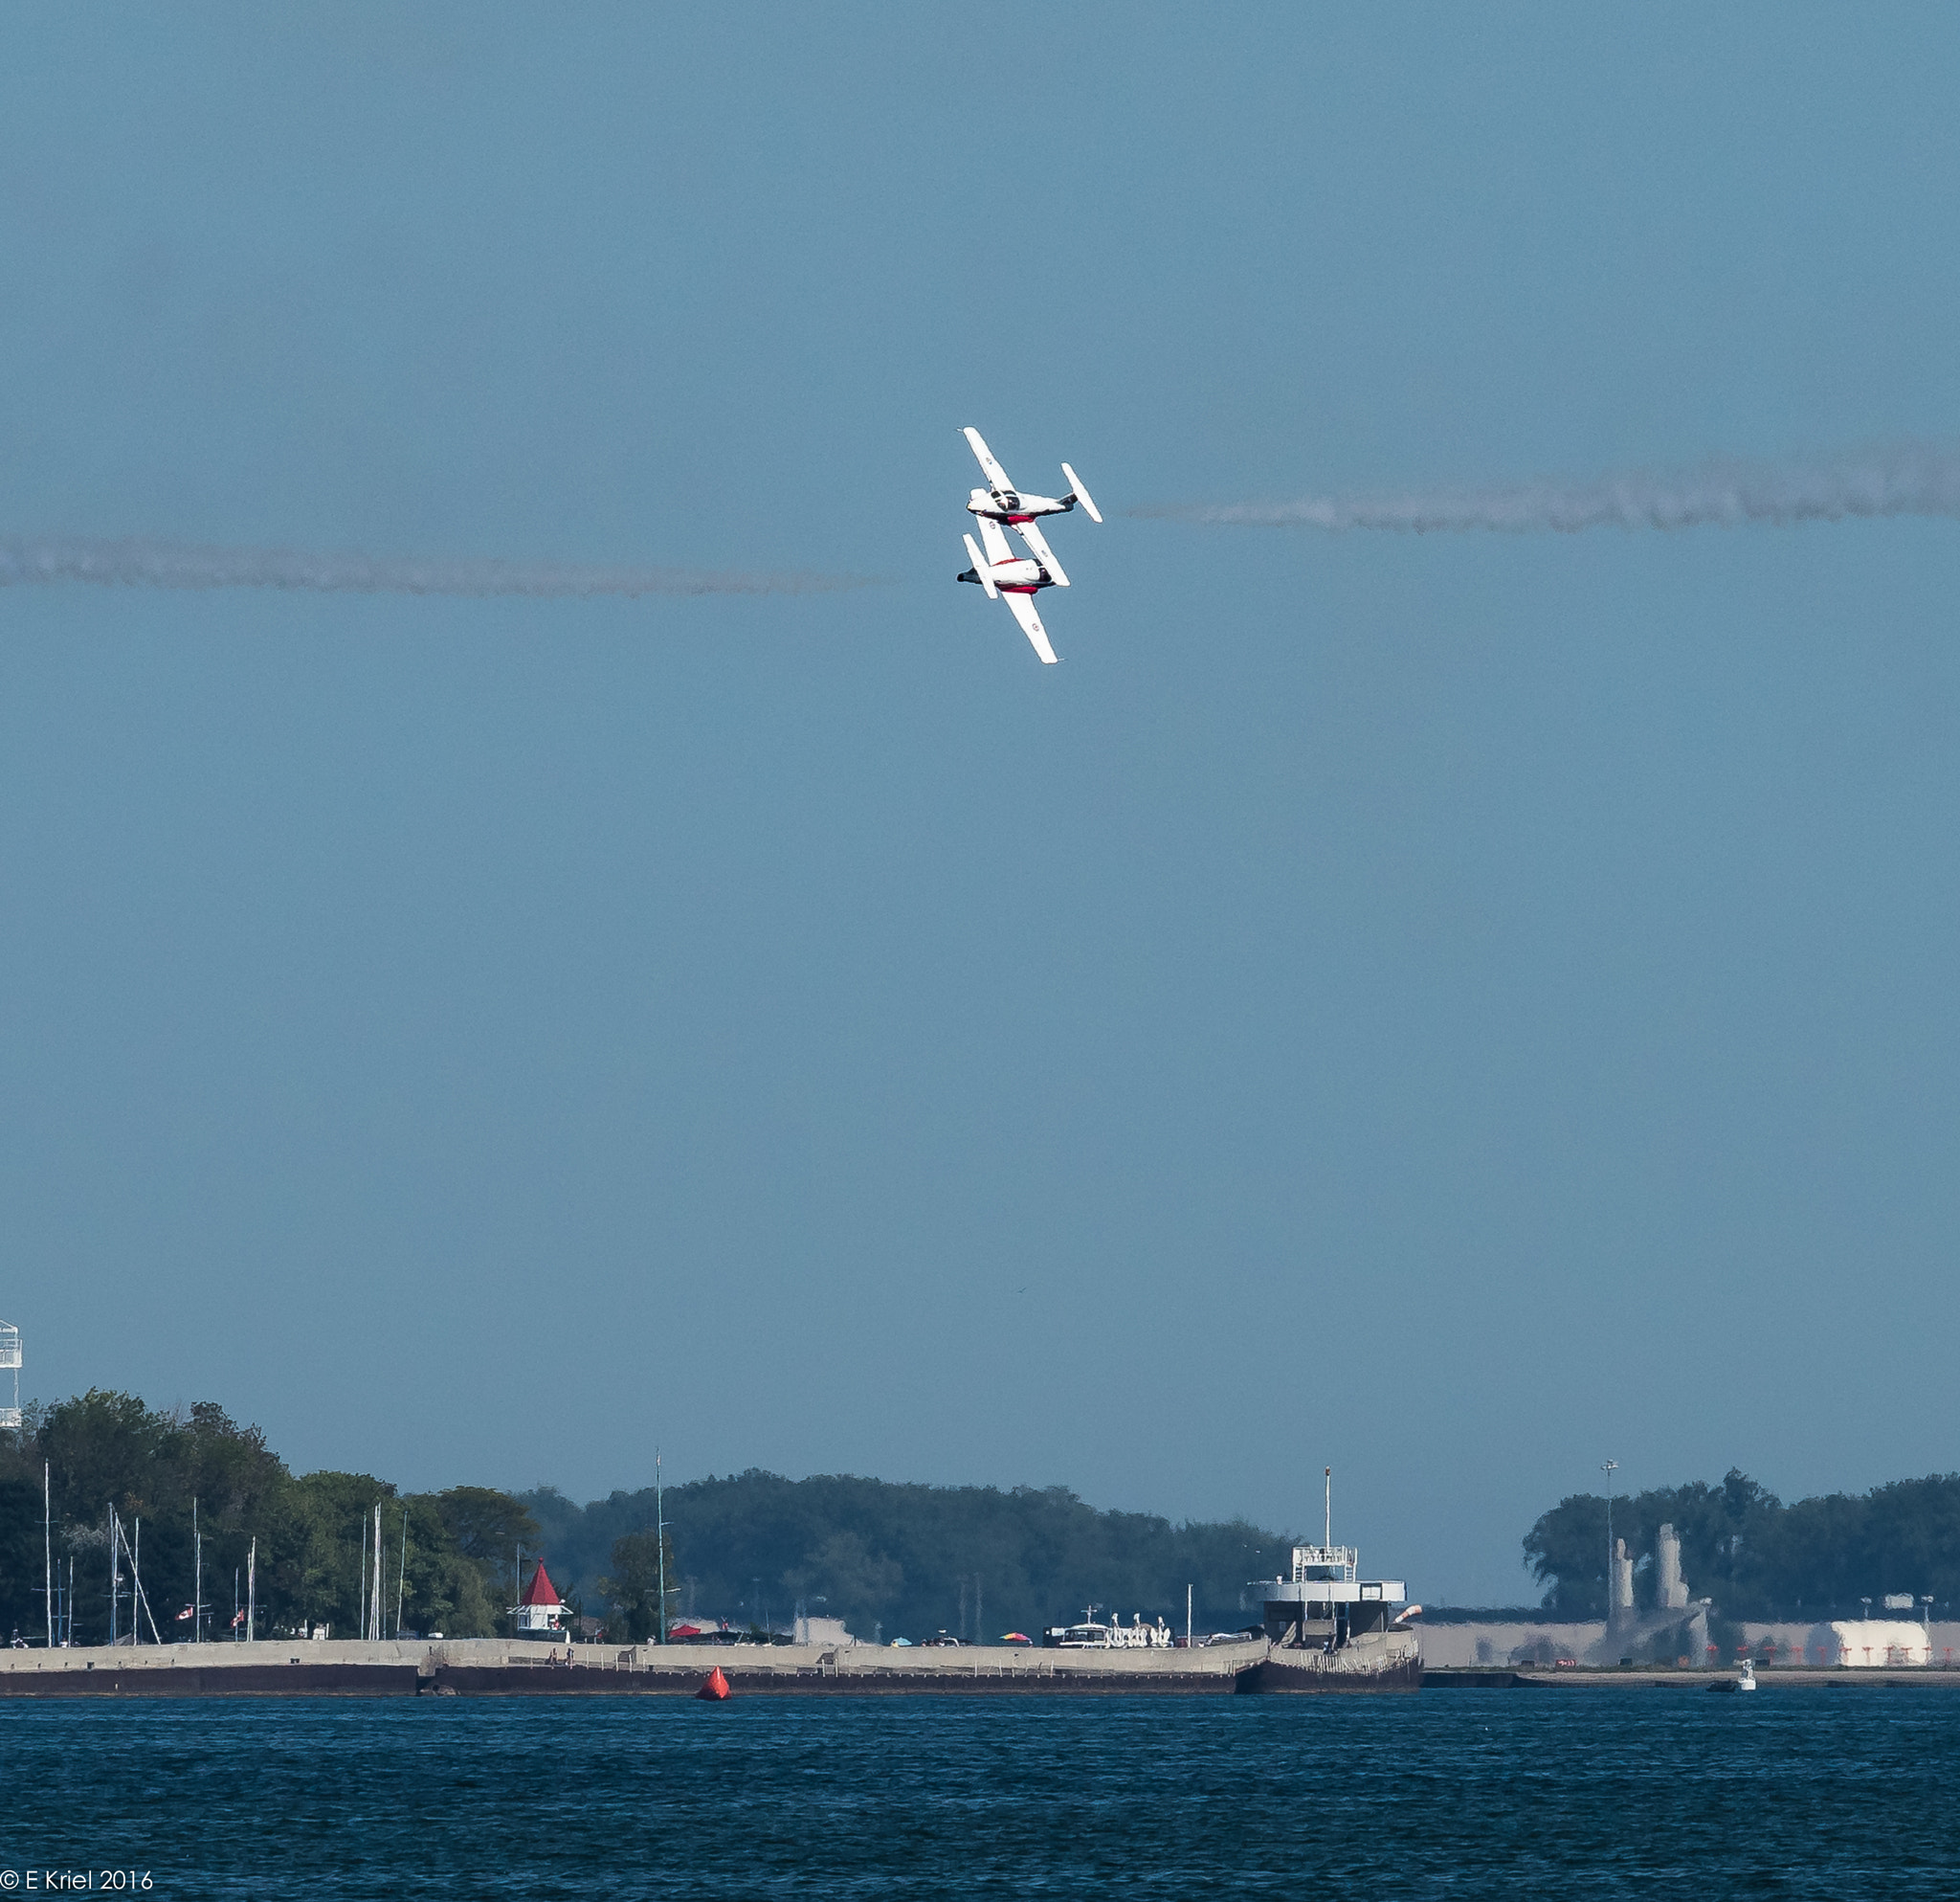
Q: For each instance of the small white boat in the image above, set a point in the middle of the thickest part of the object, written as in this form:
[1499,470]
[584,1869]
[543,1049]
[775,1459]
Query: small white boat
[1091,1635]
[1746,1681]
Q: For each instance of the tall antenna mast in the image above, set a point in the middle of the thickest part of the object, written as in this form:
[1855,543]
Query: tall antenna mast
[660,1547]
[1327,1532]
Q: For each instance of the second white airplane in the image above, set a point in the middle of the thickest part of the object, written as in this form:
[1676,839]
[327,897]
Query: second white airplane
[999,571]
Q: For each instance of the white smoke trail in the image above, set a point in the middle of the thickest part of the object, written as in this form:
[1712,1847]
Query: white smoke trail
[1909,478]
[177,565]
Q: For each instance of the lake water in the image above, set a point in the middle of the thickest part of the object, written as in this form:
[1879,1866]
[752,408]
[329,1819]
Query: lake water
[1456,1794]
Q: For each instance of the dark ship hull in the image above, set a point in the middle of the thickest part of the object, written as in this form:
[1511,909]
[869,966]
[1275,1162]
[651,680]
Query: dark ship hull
[1379,1662]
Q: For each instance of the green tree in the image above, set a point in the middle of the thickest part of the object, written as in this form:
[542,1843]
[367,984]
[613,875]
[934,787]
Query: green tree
[488,1530]
[199,1468]
[908,1556]
[634,1586]
[1755,1556]
[108,1450]
[855,1584]
[1565,1551]
[22,1607]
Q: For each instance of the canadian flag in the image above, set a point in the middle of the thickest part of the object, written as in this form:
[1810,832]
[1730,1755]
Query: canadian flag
[188,1612]
[237,1618]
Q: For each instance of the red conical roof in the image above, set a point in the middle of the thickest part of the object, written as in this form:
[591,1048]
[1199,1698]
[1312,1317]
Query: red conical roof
[541,1591]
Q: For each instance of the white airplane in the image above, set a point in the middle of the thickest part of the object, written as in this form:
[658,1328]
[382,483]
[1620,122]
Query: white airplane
[1002,573]
[1013,579]
[1005,502]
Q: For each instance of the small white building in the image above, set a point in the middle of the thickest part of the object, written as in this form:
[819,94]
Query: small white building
[1870,1644]
[822,1632]
[539,1612]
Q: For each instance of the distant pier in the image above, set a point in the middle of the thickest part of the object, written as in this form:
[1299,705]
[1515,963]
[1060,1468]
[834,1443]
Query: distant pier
[507,1667]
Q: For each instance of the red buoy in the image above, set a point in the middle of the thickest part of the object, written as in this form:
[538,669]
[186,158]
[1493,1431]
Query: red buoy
[715,1688]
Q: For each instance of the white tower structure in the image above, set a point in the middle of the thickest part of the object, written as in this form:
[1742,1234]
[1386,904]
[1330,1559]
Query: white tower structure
[10,1357]
[1673,1590]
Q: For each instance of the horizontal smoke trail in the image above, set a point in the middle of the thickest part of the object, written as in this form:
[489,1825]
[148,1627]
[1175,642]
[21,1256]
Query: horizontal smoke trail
[178,565]
[1905,479]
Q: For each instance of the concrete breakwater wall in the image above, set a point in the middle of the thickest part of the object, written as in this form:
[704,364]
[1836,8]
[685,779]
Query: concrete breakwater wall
[1497,1643]
[1592,1677]
[1492,1642]
[497,1667]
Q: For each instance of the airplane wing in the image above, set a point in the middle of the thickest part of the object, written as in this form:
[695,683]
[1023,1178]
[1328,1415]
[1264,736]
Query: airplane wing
[994,539]
[989,467]
[1023,606]
[983,570]
[1043,553]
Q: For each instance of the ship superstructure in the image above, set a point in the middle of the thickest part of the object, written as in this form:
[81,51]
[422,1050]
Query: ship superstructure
[1325,1602]
[1328,1628]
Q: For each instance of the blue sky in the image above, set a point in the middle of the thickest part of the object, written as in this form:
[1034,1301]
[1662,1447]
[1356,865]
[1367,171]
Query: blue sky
[1457,1009]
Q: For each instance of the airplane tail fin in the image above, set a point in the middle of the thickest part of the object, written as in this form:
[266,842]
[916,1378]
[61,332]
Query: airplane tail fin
[1078,493]
[982,574]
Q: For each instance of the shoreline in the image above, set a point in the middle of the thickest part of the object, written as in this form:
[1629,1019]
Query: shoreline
[505,1667]
[510,1668]
[1609,1677]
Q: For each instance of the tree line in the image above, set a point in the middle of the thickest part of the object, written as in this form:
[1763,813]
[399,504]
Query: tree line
[450,1557]
[1752,1555]
[753,1548]
[894,1560]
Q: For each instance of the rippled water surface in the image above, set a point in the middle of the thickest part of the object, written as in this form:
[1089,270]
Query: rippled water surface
[1837,1792]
